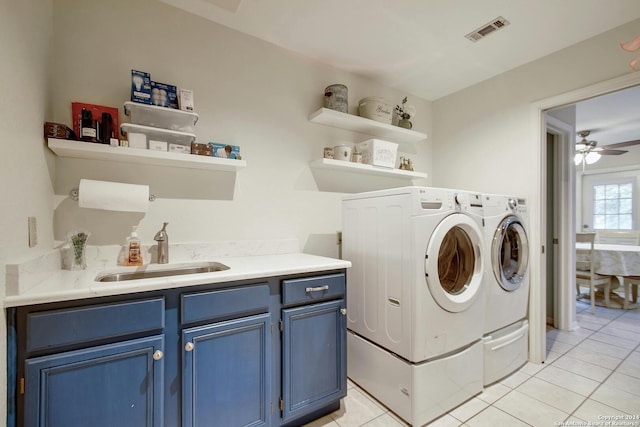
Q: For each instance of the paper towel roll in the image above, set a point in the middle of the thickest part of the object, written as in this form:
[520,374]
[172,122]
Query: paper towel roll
[113,196]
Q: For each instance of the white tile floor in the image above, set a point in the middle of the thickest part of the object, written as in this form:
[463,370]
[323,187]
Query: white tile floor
[589,374]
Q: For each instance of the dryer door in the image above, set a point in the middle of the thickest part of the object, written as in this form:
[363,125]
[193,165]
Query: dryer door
[510,253]
[453,262]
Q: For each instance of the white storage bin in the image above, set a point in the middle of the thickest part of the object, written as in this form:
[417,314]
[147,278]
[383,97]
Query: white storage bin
[158,134]
[377,152]
[378,109]
[160,117]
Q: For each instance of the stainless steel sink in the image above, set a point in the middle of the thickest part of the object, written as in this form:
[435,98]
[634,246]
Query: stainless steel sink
[176,270]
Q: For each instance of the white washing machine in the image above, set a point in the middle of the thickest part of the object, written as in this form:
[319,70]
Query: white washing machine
[415,297]
[506,329]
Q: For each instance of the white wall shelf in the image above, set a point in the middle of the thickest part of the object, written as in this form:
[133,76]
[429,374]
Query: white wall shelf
[359,124]
[94,151]
[360,168]
[349,177]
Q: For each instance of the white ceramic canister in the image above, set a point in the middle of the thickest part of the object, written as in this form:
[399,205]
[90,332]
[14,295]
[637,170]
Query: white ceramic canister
[374,108]
[342,152]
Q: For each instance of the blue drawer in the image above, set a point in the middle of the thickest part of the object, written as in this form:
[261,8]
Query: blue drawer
[224,304]
[311,289]
[69,326]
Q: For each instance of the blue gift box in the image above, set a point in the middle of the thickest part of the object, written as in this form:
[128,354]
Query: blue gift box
[164,95]
[140,87]
[225,150]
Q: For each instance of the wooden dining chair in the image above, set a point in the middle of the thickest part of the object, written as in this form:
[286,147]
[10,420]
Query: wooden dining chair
[585,275]
[630,285]
[618,237]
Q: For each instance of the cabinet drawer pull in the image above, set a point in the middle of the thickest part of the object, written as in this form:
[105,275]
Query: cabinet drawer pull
[319,288]
[343,311]
[189,346]
[158,354]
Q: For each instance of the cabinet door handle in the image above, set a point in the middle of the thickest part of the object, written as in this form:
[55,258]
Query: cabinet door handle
[158,354]
[189,346]
[343,311]
[319,288]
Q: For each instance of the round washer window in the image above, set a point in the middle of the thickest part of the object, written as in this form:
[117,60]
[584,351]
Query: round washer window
[511,251]
[456,261]
[453,262]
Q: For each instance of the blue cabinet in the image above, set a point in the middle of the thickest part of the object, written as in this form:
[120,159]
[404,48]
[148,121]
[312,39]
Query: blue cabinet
[238,354]
[226,357]
[226,374]
[314,352]
[112,385]
[313,357]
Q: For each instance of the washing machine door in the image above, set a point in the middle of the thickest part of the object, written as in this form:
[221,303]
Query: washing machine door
[510,253]
[453,262]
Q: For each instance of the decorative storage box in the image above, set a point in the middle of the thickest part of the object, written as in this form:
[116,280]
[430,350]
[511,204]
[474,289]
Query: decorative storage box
[96,113]
[225,150]
[377,152]
[377,109]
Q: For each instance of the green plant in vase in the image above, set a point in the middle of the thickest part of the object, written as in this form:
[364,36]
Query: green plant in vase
[78,247]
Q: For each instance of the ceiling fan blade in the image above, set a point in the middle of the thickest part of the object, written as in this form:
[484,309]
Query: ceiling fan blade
[608,152]
[622,144]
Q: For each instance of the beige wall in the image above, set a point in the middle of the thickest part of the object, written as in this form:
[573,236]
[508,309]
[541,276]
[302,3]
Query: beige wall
[488,137]
[26,190]
[483,134]
[247,93]
[25,165]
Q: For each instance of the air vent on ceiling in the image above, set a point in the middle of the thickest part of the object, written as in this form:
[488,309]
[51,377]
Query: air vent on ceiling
[487,29]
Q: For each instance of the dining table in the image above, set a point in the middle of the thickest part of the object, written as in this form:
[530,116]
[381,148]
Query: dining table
[614,260]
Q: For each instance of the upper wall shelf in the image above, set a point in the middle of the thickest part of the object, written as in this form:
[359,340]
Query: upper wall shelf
[338,165]
[355,123]
[94,151]
[348,177]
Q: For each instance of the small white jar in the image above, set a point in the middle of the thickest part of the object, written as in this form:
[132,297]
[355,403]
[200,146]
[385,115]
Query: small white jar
[342,152]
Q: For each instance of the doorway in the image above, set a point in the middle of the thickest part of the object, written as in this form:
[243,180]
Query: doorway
[566,236]
[560,219]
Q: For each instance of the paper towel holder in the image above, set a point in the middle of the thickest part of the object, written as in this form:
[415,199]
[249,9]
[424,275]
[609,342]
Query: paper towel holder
[74,195]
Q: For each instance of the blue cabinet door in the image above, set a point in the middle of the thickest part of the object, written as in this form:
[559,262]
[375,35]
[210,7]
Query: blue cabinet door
[112,385]
[313,357]
[226,373]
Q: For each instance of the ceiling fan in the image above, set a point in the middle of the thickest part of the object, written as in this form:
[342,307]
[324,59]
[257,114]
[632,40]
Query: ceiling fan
[588,151]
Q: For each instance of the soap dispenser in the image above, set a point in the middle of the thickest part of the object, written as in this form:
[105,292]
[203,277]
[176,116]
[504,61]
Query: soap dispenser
[134,255]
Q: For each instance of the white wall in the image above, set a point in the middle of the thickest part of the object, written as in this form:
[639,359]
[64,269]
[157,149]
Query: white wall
[487,137]
[484,133]
[247,93]
[26,170]
[25,165]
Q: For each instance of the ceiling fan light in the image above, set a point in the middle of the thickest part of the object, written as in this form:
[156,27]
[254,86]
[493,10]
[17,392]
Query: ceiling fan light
[577,159]
[592,157]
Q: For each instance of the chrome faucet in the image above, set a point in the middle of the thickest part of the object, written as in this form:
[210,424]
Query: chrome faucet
[163,245]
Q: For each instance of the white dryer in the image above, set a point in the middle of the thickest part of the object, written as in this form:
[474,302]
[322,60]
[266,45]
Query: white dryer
[415,297]
[506,329]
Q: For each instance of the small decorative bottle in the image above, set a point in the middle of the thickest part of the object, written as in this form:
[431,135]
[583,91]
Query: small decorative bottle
[134,255]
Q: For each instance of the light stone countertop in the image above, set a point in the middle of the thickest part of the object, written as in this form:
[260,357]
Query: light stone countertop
[43,281]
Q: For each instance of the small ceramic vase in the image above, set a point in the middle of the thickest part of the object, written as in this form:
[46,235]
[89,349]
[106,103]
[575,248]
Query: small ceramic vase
[405,123]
